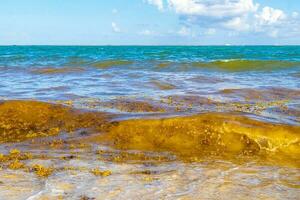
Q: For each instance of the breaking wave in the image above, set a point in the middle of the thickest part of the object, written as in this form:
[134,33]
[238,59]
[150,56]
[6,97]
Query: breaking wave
[246,65]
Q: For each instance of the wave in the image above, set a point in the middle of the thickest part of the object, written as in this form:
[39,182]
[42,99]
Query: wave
[246,65]
[53,70]
[111,63]
[81,62]
[225,65]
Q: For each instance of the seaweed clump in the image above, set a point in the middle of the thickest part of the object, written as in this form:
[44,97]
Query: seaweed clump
[133,106]
[98,172]
[213,134]
[42,171]
[22,120]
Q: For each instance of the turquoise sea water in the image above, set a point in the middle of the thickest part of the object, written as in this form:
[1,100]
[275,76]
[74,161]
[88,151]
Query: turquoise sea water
[77,73]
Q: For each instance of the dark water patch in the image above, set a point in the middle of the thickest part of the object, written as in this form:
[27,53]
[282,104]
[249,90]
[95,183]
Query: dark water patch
[111,63]
[267,94]
[72,96]
[162,65]
[292,111]
[57,88]
[78,62]
[53,70]
[104,75]
[162,85]
[297,75]
[208,79]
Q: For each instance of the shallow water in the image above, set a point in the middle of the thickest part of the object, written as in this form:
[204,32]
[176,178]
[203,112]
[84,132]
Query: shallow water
[150,122]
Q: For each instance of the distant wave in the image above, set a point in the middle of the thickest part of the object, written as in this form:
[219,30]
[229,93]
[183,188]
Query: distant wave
[228,65]
[246,65]
[80,62]
[111,63]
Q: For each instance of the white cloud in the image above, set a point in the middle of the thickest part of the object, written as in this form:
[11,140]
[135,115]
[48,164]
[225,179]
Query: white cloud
[115,27]
[213,8]
[237,24]
[240,16]
[158,3]
[269,16]
[272,22]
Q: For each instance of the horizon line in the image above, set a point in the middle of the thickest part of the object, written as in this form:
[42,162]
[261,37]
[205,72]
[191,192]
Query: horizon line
[107,45]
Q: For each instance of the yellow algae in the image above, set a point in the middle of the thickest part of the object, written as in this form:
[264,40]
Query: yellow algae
[148,179]
[133,106]
[164,64]
[98,172]
[125,105]
[56,143]
[52,70]
[21,120]
[187,102]
[16,164]
[256,108]
[132,157]
[214,134]
[42,171]
[111,63]
[15,154]
[2,157]
[190,137]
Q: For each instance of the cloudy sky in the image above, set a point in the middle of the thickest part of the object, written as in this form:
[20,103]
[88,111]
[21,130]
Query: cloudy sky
[149,22]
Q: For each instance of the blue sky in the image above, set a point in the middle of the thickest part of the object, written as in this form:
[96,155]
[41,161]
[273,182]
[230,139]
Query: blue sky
[149,22]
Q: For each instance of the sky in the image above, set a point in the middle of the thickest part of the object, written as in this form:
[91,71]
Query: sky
[149,22]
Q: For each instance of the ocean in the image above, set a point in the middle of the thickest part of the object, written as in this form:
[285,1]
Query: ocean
[151,122]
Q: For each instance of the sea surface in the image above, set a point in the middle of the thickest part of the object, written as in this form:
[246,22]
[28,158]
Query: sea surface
[149,122]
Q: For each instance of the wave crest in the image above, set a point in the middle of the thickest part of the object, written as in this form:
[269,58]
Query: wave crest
[246,65]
